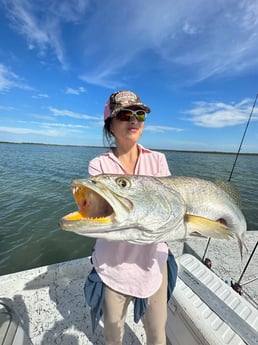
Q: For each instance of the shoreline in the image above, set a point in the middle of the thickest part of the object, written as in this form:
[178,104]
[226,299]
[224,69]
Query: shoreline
[154,149]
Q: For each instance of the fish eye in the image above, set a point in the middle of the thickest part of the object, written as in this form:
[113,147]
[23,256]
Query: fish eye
[123,182]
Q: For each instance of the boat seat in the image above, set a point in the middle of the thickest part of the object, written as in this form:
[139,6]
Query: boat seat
[11,329]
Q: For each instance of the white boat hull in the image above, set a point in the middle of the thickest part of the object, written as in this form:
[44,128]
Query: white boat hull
[212,314]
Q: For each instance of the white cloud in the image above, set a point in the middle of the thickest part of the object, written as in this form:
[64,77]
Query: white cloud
[217,115]
[106,74]
[40,95]
[51,124]
[22,130]
[162,129]
[44,128]
[40,22]
[43,117]
[69,113]
[72,91]
[9,80]
[188,29]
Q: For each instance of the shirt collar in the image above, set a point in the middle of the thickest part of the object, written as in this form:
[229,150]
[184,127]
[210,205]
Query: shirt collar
[142,149]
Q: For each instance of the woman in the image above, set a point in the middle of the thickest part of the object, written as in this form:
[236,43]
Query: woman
[130,271]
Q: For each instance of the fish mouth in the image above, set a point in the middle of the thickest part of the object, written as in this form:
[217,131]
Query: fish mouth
[92,207]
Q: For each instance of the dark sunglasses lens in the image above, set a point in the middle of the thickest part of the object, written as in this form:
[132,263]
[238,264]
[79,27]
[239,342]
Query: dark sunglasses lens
[140,115]
[124,115]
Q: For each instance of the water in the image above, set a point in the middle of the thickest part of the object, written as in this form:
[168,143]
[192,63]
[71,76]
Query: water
[35,193]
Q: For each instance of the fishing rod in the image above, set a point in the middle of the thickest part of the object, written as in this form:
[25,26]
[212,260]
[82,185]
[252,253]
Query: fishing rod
[236,286]
[240,146]
[234,164]
[250,257]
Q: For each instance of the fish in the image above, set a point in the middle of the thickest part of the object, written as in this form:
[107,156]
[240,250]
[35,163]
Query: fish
[144,209]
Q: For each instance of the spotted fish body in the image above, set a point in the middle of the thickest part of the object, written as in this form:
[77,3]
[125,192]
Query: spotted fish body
[144,209]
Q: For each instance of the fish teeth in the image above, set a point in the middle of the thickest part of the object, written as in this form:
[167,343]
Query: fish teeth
[75,189]
[99,219]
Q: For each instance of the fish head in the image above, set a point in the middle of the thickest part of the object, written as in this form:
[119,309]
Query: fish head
[125,207]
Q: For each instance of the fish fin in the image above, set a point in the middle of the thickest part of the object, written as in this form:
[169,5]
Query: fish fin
[206,227]
[242,245]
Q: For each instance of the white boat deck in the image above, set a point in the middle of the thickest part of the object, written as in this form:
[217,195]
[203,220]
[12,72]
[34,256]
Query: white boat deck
[50,302]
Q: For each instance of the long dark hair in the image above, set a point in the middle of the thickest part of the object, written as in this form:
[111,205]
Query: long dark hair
[108,138]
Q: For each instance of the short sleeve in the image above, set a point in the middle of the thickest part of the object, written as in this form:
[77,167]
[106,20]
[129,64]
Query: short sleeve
[163,166]
[94,167]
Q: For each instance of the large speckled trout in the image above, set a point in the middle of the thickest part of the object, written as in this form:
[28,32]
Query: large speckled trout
[144,209]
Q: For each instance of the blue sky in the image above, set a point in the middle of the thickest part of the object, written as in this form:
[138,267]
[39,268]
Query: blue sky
[195,63]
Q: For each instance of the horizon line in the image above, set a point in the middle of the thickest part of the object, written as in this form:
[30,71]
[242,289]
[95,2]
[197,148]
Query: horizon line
[155,149]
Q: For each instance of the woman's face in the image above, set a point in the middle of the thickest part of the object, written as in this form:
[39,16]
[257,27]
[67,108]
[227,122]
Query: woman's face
[127,130]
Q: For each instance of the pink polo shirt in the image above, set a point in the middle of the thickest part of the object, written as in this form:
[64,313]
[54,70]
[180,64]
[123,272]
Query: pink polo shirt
[131,269]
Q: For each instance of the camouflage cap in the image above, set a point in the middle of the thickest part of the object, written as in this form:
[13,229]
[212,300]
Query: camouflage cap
[121,100]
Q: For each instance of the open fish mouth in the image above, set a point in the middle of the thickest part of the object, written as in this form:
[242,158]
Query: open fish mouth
[92,207]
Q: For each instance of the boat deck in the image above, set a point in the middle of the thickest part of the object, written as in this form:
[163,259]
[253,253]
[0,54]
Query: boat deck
[57,312]
[50,302]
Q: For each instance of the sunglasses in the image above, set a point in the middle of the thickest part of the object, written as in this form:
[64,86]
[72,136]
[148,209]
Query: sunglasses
[127,114]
